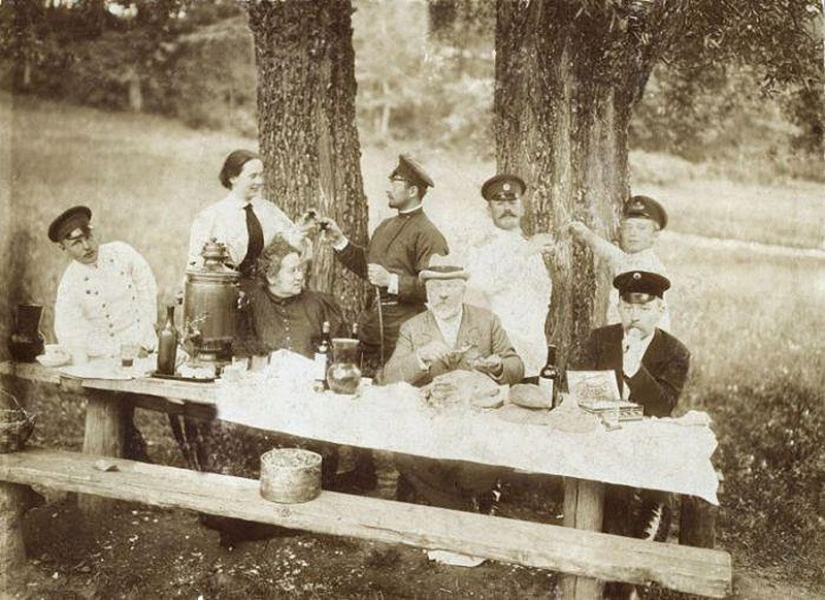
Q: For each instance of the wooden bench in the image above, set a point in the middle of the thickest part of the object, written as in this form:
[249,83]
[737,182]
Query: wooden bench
[573,551]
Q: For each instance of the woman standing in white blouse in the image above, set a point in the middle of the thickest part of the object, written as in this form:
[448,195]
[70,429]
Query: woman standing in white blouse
[229,221]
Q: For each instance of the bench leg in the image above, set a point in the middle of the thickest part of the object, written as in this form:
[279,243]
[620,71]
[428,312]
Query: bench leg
[583,509]
[15,499]
[106,418]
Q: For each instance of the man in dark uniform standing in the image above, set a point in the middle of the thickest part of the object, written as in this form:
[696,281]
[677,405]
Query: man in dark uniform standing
[400,248]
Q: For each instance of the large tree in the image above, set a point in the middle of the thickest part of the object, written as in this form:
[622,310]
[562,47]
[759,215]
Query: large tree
[306,122]
[568,73]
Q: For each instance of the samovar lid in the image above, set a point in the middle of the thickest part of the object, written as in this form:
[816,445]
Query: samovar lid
[215,263]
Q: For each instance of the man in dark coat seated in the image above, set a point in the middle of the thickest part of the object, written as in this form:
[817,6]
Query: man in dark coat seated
[651,367]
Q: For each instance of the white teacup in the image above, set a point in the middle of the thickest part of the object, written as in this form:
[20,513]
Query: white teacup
[55,350]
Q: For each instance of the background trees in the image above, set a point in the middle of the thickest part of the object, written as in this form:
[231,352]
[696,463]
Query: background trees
[568,75]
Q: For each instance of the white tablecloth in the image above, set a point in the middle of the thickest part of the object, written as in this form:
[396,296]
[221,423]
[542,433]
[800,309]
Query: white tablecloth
[664,454]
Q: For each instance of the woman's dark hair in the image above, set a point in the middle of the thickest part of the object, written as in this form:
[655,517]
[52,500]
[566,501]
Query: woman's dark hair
[270,259]
[233,165]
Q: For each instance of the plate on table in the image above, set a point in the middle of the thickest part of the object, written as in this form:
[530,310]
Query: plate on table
[101,368]
[157,375]
[54,360]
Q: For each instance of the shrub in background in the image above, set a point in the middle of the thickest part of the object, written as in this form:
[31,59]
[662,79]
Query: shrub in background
[211,81]
[772,453]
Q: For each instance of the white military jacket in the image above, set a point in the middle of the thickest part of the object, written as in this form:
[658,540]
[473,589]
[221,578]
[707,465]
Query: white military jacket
[513,283]
[99,307]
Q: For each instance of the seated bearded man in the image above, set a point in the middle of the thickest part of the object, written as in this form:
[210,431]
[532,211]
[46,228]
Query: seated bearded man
[450,335]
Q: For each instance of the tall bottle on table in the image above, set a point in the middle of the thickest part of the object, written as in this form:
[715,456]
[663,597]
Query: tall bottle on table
[550,376]
[168,344]
[322,356]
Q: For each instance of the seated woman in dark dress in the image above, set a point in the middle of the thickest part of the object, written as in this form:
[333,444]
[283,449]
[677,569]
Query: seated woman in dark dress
[280,314]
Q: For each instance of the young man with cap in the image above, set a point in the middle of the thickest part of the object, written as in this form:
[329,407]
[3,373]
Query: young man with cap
[106,297]
[450,335]
[642,220]
[510,277]
[651,368]
[400,247]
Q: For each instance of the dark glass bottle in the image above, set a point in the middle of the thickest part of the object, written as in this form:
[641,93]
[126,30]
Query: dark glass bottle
[322,355]
[168,343]
[26,342]
[549,376]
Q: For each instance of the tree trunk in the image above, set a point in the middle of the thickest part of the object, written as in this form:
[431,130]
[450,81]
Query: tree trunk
[306,123]
[566,81]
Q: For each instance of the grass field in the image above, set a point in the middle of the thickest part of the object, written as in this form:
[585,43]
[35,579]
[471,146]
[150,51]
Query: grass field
[748,315]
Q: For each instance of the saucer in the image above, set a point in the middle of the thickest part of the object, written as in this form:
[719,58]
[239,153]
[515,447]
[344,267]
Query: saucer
[54,360]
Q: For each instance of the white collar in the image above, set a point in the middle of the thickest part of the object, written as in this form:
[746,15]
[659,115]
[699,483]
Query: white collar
[409,210]
[645,342]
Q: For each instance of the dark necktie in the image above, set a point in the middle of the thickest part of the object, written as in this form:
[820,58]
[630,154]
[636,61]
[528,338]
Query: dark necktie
[256,241]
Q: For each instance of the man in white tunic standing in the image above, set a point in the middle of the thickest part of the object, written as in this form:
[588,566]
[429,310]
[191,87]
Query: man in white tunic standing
[509,275]
[107,297]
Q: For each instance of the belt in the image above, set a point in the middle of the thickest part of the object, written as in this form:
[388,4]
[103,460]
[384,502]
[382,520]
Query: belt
[389,302]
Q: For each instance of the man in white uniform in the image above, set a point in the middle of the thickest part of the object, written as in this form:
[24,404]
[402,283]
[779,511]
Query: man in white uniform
[106,297]
[509,275]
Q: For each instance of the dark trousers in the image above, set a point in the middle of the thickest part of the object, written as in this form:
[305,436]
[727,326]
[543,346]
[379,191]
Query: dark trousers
[445,483]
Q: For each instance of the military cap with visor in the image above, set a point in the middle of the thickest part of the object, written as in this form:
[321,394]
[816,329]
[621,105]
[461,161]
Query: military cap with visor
[644,207]
[410,170]
[504,186]
[640,287]
[76,217]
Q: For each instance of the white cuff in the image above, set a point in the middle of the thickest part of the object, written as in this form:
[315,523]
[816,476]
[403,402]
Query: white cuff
[338,246]
[392,286]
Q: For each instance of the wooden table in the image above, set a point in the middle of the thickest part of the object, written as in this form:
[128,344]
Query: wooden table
[327,417]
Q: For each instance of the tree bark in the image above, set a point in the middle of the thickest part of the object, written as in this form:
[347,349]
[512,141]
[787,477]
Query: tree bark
[566,81]
[306,124]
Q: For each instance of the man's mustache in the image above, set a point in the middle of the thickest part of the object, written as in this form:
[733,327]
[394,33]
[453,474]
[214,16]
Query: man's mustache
[507,213]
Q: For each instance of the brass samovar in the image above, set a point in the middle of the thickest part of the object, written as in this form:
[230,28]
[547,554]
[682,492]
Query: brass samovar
[211,301]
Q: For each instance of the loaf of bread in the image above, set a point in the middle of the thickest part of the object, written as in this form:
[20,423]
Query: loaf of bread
[530,396]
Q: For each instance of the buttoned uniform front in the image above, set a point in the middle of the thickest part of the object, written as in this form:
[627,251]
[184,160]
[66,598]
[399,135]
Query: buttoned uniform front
[508,276]
[99,307]
[480,330]
[226,222]
[403,245]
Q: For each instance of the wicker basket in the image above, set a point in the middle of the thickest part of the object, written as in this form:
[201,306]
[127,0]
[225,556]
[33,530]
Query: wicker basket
[16,424]
[290,475]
